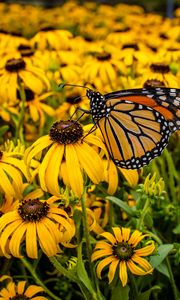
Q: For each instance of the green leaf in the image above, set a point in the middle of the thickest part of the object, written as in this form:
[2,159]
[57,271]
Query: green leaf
[176,230]
[162,268]
[120,293]
[163,251]
[148,220]
[121,204]
[147,294]
[81,272]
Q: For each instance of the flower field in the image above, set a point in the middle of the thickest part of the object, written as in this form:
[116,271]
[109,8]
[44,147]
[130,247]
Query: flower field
[89,153]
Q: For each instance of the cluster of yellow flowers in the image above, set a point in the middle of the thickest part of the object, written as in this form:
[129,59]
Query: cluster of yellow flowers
[45,174]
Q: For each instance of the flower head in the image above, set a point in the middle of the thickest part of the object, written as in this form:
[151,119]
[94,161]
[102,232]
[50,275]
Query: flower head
[19,291]
[37,222]
[68,155]
[121,251]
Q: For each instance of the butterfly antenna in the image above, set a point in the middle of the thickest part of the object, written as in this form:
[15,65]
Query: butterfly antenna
[62,85]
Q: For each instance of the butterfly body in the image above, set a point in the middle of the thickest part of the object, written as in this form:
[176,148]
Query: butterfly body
[136,124]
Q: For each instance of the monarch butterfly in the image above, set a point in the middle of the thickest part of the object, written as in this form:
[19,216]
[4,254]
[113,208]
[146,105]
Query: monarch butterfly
[136,124]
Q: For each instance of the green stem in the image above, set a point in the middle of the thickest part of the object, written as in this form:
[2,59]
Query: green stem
[88,245]
[20,125]
[173,284]
[37,279]
[134,287]
[143,213]
[62,270]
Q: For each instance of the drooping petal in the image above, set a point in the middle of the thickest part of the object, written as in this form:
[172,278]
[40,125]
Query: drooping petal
[103,263]
[53,167]
[142,262]
[112,269]
[5,184]
[136,270]
[74,170]
[131,176]
[31,240]
[91,162]
[46,241]
[123,272]
[16,238]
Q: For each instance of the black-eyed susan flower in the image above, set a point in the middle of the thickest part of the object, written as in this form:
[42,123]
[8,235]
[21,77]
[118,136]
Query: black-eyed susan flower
[15,70]
[36,106]
[68,155]
[48,38]
[20,290]
[162,73]
[38,223]
[121,251]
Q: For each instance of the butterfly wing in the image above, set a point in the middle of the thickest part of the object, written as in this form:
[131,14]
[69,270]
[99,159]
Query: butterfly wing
[138,124]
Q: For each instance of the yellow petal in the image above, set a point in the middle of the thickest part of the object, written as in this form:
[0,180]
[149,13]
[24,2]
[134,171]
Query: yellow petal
[103,245]
[112,269]
[46,241]
[100,253]
[125,234]
[31,241]
[142,262]
[123,272]
[32,290]
[131,176]
[16,239]
[5,184]
[31,81]
[106,261]
[136,237]
[53,168]
[21,286]
[74,171]
[109,237]
[117,234]
[136,270]
[34,113]
[145,251]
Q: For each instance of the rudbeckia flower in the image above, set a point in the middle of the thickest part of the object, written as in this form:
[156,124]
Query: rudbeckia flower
[19,291]
[49,38]
[16,69]
[68,155]
[162,73]
[121,250]
[36,106]
[39,223]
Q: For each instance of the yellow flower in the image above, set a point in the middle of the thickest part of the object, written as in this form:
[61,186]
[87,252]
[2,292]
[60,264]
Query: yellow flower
[67,157]
[19,291]
[121,250]
[35,222]
[52,39]
[160,72]
[36,107]
[15,70]
[71,103]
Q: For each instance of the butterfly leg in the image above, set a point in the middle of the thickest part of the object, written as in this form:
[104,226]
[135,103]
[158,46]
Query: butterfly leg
[84,111]
[93,128]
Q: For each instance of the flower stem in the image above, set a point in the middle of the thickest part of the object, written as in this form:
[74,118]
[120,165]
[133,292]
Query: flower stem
[173,284]
[88,244]
[62,270]
[143,213]
[37,279]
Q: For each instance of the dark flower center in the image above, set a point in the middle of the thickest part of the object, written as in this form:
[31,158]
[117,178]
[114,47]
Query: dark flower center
[66,132]
[126,29]
[131,46]
[75,99]
[25,50]
[33,210]
[103,56]
[123,251]
[19,297]
[151,83]
[1,154]
[1,213]
[28,93]
[159,68]
[15,64]
[47,28]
